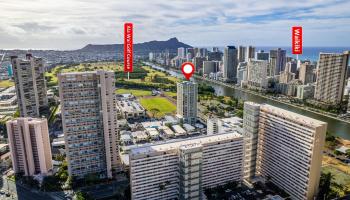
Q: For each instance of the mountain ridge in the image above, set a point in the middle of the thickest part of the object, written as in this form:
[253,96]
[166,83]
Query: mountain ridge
[152,46]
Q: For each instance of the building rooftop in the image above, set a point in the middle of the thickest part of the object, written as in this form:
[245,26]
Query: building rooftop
[3,145]
[175,144]
[125,137]
[153,124]
[129,106]
[152,132]
[301,119]
[178,130]
[188,127]
[167,131]
[139,135]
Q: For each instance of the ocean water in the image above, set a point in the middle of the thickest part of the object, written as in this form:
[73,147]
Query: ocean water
[309,53]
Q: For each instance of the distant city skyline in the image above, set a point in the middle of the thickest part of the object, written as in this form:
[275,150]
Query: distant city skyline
[71,24]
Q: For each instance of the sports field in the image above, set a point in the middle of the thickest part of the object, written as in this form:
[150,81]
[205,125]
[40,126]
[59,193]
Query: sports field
[162,104]
[135,92]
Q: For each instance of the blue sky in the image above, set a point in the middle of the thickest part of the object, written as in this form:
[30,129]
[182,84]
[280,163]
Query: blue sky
[71,24]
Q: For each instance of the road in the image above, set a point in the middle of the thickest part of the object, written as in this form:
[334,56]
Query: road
[21,192]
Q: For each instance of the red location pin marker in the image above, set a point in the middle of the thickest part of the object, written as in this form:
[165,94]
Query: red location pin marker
[187,69]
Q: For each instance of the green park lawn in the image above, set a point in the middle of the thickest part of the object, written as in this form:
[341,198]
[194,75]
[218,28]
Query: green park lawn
[6,83]
[339,177]
[162,104]
[170,94]
[135,92]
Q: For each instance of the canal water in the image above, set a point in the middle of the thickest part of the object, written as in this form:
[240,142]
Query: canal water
[336,127]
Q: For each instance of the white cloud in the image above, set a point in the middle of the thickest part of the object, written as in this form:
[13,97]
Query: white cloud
[71,24]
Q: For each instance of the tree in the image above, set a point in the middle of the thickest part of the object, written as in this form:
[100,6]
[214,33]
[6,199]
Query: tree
[154,111]
[325,185]
[82,196]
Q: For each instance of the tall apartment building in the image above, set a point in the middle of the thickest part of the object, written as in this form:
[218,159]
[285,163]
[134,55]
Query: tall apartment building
[277,61]
[286,142]
[242,51]
[257,74]
[261,55]
[30,146]
[306,73]
[230,64]
[331,77]
[250,134]
[210,66]
[187,96]
[286,77]
[198,63]
[182,169]
[30,85]
[250,53]
[181,52]
[242,73]
[89,118]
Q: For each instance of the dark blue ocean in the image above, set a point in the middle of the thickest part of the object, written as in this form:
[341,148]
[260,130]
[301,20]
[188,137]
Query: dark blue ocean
[309,53]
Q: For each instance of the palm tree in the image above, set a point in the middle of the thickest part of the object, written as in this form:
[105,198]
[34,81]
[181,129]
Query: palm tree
[154,111]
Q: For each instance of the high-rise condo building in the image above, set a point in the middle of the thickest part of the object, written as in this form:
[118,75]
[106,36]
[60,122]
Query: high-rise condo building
[30,146]
[182,169]
[203,52]
[89,119]
[277,61]
[210,66]
[286,142]
[187,96]
[242,51]
[30,85]
[198,63]
[242,73]
[181,52]
[250,53]
[230,64]
[331,77]
[291,66]
[286,77]
[261,55]
[257,74]
[306,73]
[250,134]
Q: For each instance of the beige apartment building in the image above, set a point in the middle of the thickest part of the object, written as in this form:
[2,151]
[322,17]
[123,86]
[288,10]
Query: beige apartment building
[89,119]
[187,96]
[257,74]
[182,169]
[30,146]
[30,85]
[331,77]
[289,148]
[306,73]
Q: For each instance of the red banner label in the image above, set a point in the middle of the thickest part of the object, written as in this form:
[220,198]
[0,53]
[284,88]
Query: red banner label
[128,47]
[297,40]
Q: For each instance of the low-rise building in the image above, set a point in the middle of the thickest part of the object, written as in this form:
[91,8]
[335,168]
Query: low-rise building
[8,101]
[130,109]
[179,131]
[167,132]
[139,136]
